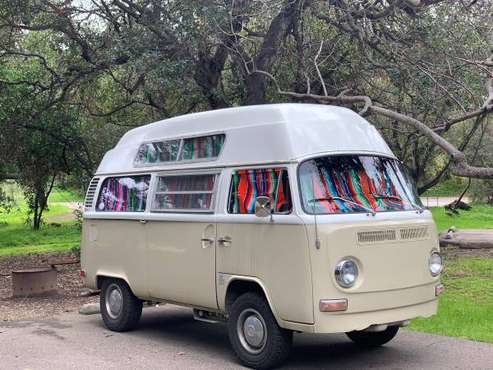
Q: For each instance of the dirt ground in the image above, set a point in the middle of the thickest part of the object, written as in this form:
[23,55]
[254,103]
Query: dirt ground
[69,286]
[69,216]
[451,251]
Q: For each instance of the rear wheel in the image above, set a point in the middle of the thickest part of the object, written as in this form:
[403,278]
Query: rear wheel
[120,308]
[373,339]
[255,336]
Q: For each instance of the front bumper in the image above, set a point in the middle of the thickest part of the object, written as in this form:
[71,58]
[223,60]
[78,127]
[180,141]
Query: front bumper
[367,309]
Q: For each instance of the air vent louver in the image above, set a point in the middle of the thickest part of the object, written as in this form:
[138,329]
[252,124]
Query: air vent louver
[403,234]
[414,233]
[91,191]
[376,236]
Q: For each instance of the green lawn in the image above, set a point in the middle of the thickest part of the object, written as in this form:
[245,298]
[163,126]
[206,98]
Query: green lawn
[65,195]
[466,308]
[16,237]
[479,217]
[448,188]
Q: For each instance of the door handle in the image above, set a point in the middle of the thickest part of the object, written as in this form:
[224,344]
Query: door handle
[143,222]
[206,242]
[225,241]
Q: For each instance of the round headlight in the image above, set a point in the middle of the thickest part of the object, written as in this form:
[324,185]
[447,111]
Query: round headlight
[346,273]
[435,263]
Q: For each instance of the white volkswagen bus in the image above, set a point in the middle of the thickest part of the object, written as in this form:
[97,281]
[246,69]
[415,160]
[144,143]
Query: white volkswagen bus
[275,218]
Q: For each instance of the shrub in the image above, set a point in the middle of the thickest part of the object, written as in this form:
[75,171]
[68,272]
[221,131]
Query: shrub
[481,191]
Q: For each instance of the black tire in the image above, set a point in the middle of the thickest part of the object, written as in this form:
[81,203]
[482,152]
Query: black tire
[128,316]
[373,339]
[276,342]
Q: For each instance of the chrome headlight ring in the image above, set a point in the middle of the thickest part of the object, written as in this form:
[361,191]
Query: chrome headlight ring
[346,272]
[435,263]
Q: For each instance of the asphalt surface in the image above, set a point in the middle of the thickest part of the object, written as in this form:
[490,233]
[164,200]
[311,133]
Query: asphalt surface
[441,201]
[169,338]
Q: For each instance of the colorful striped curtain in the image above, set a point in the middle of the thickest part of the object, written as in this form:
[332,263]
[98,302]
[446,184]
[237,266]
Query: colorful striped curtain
[247,185]
[202,147]
[369,181]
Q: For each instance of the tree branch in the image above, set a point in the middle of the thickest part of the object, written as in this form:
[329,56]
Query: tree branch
[459,164]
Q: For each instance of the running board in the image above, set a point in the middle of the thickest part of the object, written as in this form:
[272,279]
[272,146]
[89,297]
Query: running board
[207,316]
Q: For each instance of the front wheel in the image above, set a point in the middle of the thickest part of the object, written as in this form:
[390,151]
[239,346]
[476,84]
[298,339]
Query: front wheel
[120,308]
[255,336]
[373,339]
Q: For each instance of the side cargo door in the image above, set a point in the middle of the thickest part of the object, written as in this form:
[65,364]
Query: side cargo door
[181,233]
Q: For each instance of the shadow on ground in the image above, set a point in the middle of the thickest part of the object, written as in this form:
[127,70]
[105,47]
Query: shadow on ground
[177,327]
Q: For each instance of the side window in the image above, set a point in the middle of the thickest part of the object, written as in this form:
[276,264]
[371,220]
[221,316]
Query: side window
[247,185]
[123,194]
[186,193]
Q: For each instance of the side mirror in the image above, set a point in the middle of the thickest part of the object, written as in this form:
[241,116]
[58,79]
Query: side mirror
[263,206]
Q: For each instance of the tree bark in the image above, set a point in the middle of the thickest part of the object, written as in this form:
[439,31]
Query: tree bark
[208,74]
[281,25]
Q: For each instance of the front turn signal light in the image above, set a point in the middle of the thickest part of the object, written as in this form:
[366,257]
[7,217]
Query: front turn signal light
[332,305]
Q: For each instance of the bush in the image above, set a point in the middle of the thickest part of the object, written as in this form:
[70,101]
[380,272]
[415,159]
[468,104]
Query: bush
[76,250]
[481,191]
[78,217]
[7,202]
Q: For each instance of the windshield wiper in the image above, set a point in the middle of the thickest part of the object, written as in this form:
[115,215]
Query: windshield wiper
[420,209]
[395,197]
[331,199]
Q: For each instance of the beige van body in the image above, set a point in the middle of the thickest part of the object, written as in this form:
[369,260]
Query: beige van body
[204,257]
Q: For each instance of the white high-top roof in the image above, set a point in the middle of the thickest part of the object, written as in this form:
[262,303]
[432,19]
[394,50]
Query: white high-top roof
[257,134]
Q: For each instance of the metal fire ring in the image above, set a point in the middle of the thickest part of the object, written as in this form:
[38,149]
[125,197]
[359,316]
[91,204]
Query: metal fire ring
[34,282]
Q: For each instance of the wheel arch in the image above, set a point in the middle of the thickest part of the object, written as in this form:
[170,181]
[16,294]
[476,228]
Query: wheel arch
[238,285]
[101,276]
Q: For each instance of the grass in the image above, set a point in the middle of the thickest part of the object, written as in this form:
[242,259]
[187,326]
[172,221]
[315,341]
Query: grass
[466,307]
[65,195]
[447,188]
[16,237]
[479,217]
[58,195]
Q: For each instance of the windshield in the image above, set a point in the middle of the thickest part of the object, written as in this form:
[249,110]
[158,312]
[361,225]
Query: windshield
[356,183]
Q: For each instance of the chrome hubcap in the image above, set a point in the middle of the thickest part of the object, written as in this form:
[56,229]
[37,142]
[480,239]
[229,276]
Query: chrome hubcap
[252,331]
[114,301]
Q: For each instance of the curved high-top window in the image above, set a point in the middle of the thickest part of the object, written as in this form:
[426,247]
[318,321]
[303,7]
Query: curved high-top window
[355,183]
[187,149]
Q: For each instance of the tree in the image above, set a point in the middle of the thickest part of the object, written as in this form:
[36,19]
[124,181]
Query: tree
[38,136]
[420,70]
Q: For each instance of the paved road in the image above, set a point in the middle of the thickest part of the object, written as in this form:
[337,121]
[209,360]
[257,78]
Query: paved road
[169,338]
[441,201]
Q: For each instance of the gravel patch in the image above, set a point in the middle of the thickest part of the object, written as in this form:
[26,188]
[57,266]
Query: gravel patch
[69,285]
